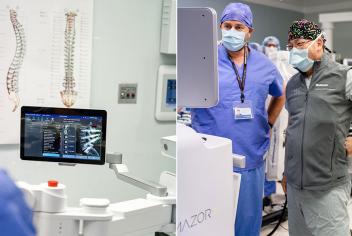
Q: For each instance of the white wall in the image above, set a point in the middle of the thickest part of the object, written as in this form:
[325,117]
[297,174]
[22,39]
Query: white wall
[125,49]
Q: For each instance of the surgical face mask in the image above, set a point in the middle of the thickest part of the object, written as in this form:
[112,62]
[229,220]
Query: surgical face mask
[233,40]
[299,58]
[270,50]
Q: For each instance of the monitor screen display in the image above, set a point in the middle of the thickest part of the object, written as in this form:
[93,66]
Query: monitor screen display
[171,93]
[63,135]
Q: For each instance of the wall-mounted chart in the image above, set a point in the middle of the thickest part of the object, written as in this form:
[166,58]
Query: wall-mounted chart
[45,57]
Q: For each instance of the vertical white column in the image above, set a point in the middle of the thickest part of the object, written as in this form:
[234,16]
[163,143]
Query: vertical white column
[328,28]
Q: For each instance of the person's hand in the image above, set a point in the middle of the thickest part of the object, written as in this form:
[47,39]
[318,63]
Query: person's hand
[348,146]
[284,184]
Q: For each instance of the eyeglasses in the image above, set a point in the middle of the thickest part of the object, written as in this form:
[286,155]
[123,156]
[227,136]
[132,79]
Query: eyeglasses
[297,44]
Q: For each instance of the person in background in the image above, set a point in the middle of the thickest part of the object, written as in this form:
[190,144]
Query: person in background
[270,45]
[255,46]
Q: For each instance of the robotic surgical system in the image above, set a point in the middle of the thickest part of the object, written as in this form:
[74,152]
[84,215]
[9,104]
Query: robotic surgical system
[207,188]
[72,136]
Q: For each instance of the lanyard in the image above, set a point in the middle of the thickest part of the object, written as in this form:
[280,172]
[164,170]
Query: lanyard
[241,82]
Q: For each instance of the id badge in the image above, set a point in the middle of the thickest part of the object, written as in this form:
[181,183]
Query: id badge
[243,111]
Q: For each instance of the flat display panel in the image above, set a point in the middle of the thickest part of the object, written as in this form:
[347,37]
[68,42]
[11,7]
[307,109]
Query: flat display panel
[171,93]
[63,135]
[197,58]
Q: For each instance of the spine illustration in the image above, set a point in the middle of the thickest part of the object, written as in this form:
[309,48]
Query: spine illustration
[68,95]
[13,72]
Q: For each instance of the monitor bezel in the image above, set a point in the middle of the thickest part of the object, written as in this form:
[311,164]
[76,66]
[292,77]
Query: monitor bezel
[63,111]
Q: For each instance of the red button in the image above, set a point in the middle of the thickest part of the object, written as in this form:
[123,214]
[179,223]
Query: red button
[53,183]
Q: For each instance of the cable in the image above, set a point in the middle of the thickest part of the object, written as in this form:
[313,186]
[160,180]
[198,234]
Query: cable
[281,218]
[327,49]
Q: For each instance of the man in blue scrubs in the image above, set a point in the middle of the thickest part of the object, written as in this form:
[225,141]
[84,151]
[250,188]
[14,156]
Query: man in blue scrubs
[15,215]
[246,78]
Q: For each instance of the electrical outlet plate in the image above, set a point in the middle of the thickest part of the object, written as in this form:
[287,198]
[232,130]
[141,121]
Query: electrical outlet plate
[127,94]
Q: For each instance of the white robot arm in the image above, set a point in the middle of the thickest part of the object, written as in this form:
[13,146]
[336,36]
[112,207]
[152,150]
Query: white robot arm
[138,217]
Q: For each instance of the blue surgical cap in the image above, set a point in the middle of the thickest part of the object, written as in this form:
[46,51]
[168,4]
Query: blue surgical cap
[255,46]
[273,40]
[238,12]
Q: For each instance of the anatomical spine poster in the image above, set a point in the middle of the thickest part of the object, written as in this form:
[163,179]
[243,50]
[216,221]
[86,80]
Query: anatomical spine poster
[45,58]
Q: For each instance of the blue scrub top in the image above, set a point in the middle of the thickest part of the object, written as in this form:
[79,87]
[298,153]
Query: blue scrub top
[250,138]
[15,215]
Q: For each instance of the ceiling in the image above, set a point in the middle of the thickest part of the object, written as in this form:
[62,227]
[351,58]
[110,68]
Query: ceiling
[307,6]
